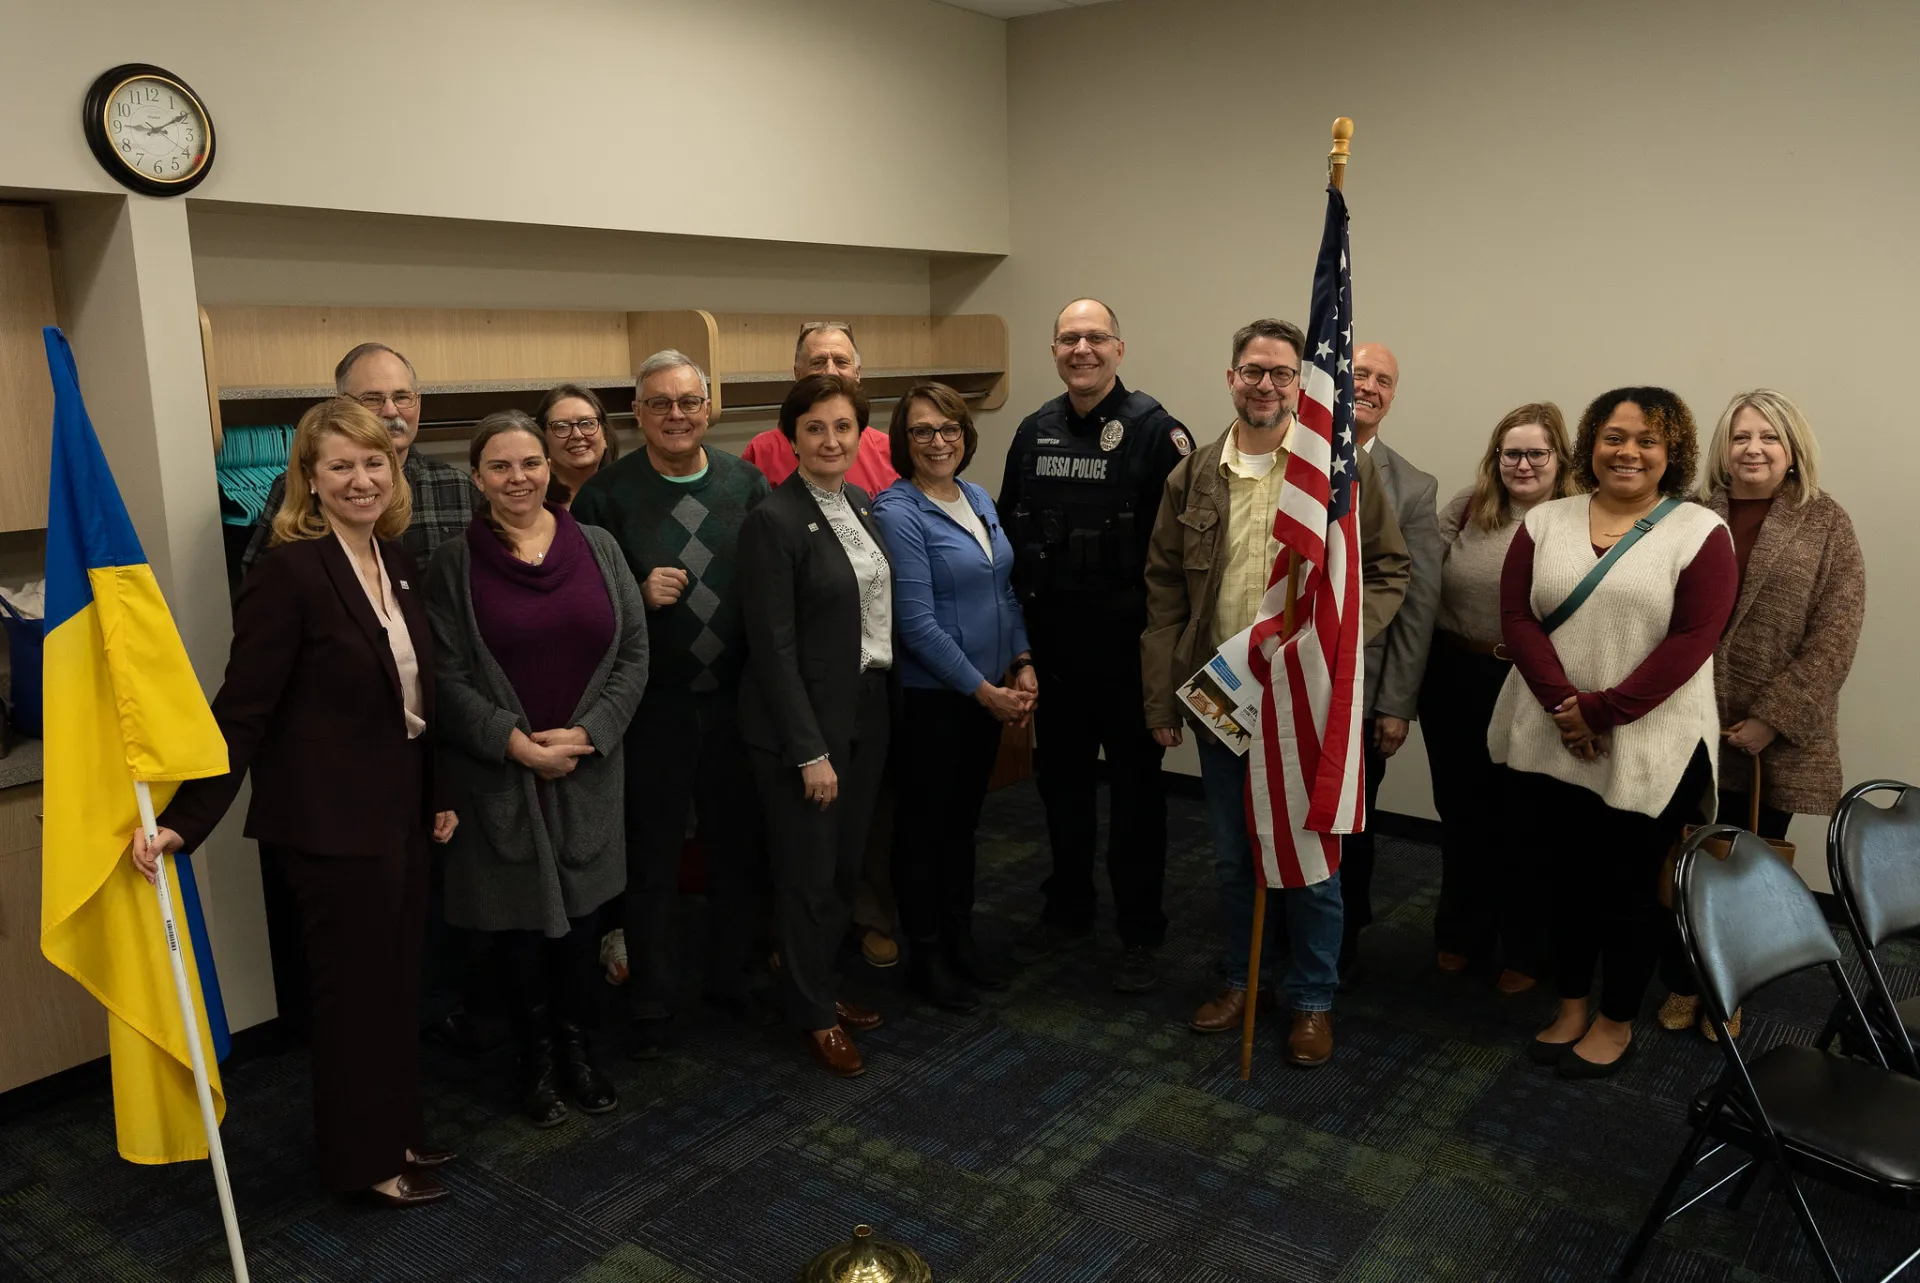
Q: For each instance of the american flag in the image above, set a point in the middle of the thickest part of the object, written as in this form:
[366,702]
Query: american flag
[1305,785]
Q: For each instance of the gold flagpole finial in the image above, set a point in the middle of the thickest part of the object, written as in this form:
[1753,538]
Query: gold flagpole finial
[1337,158]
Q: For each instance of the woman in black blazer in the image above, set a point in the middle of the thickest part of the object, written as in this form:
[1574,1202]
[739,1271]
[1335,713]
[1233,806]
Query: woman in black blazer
[327,700]
[815,703]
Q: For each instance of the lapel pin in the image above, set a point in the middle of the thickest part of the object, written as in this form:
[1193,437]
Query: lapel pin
[814,526]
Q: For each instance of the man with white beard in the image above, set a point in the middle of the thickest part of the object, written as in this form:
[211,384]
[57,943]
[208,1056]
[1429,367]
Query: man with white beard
[443,498]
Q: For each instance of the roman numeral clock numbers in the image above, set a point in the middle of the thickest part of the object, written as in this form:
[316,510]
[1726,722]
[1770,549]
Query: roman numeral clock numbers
[149,130]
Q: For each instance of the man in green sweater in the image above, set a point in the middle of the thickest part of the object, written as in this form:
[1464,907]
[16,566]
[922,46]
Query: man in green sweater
[675,508]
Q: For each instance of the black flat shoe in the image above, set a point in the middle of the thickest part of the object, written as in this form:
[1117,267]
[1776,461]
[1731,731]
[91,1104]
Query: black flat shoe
[430,1157]
[1548,1054]
[1575,1065]
[411,1190]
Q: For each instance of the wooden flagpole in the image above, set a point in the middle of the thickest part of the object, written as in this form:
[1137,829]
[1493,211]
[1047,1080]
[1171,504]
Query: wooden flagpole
[1337,175]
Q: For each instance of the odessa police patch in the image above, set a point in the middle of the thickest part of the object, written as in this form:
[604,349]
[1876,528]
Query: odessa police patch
[1181,441]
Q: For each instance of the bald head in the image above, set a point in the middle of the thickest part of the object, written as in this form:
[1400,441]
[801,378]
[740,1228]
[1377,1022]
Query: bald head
[1376,378]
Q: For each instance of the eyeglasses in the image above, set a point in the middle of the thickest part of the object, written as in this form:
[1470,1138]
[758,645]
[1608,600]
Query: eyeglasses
[1092,338]
[923,433]
[1535,458]
[402,401]
[662,405]
[564,428]
[1253,375]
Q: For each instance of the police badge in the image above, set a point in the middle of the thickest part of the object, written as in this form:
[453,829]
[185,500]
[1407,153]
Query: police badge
[1111,434]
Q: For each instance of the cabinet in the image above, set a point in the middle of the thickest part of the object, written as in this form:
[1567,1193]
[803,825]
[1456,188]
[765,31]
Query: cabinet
[51,1023]
[26,393]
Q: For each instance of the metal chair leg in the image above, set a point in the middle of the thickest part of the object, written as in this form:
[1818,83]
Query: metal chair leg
[1657,1214]
[1744,1186]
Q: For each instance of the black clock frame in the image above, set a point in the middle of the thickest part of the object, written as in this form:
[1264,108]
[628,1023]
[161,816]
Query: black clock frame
[93,121]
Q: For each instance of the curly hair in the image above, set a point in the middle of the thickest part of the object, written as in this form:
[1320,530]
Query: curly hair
[1665,413]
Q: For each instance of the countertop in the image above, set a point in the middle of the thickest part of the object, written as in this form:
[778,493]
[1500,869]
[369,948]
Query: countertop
[21,765]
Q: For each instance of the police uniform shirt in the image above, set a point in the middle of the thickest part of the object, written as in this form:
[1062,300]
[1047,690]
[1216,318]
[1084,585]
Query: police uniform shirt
[1068,472]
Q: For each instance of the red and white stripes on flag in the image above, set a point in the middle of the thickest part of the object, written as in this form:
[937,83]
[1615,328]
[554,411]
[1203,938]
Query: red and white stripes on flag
[1305,783]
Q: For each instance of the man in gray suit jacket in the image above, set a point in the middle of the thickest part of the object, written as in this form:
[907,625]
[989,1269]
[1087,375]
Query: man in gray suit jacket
[1397,658]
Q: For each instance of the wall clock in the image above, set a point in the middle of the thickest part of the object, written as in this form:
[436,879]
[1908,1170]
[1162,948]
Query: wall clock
[149,130]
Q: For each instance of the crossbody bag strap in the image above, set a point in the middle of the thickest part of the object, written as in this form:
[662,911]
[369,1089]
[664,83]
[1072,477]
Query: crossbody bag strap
[1584,589]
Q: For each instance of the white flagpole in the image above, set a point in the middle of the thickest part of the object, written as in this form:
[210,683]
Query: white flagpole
[192,1023]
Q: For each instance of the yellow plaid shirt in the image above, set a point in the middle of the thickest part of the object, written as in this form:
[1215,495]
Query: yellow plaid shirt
[1250,548]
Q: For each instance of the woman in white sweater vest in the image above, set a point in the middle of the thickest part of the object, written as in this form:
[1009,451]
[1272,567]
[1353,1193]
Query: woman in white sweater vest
[1492,908]
[1609,714]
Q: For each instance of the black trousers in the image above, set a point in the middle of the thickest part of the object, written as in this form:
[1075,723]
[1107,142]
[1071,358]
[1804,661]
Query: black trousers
[1090,700]
[1735,808]
[817,855]
[685,751]
[1493,902]
[943,754]
[557,974]
[1356,854]
[1604,876]
[363,920]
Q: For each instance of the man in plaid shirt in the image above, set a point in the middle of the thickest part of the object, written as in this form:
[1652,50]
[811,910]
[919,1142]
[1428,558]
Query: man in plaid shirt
[443,498]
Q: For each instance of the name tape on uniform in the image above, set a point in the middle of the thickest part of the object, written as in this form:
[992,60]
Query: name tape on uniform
[1071,467]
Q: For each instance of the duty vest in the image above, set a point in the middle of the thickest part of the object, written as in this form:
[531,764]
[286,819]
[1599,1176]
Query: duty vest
[1075,529]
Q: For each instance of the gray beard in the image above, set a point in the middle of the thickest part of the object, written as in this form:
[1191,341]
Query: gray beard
[1264,422]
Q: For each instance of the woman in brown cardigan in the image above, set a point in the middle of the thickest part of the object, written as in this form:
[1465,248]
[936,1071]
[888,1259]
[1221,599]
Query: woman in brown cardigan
[1788,648]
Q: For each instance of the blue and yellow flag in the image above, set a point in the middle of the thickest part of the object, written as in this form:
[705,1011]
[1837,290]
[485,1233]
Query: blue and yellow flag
[122,704]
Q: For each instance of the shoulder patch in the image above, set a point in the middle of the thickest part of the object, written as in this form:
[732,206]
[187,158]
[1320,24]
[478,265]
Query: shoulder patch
[1181,441]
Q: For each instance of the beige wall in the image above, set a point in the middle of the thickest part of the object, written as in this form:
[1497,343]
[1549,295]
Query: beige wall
[1547,201]
[541,113]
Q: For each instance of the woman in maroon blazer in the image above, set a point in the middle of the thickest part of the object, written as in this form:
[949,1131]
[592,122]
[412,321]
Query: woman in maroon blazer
[327,698]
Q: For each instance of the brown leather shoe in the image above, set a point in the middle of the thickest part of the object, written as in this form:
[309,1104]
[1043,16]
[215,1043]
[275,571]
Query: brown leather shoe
[1226,1010]
[865,1019]
[1222,1013]
[1452,961]
[837,1055]
[430,1157]
[1311,1042]
[412,1189]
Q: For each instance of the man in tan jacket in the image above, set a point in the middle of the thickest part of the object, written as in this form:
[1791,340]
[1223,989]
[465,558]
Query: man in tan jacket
[1207,568]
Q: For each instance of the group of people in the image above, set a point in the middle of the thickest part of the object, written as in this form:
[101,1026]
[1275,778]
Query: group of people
[552,661]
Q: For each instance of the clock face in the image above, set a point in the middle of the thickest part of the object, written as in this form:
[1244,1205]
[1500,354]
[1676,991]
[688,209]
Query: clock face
[157,129]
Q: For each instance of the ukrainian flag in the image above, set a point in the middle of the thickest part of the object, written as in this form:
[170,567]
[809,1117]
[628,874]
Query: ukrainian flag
[122,704]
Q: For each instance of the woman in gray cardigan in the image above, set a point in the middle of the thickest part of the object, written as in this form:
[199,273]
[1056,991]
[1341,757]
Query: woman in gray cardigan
[541,644]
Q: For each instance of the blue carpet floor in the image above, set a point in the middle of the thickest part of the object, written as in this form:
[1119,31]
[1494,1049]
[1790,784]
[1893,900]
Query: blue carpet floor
[1063,1134]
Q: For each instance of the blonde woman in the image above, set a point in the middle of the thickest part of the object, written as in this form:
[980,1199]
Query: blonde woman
[1796,623]
[328,701]
[1492,909]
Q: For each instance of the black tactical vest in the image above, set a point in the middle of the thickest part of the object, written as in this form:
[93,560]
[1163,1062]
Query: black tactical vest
[1075,529]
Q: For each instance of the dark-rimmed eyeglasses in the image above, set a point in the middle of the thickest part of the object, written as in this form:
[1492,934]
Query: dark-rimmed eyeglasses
[1252,375]
[923,433]
[1535,458]
[662,405]
[567,427]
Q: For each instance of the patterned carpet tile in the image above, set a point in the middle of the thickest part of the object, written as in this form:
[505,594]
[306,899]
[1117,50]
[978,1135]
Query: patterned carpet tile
[1064,1133]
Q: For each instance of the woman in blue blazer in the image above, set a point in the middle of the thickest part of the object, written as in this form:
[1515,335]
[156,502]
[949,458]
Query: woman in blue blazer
[965,672]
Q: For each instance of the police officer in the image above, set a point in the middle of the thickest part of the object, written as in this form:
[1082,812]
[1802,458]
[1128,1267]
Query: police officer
[1079,494]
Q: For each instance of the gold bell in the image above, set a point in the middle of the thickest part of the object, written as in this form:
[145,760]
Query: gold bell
[867,1260]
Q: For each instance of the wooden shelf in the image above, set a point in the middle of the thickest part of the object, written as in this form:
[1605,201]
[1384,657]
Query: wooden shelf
[266,365]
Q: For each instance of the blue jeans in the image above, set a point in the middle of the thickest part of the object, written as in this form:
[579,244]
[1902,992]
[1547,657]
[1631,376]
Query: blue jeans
[1312,913]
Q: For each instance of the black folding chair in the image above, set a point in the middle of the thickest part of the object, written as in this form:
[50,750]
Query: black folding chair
[1873,858]
[1747,921]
